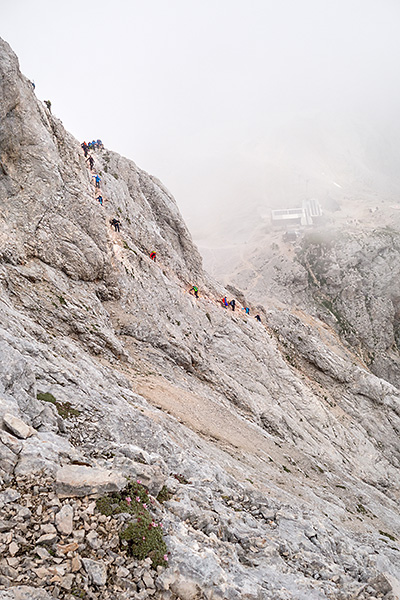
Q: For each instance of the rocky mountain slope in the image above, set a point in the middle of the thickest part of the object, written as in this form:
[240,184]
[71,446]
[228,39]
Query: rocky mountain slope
[269,451]
[347,277]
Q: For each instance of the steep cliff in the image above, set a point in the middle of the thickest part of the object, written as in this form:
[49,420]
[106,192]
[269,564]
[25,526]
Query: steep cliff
[277,445]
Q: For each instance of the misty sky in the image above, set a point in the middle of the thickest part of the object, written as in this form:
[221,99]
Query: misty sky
[191,90]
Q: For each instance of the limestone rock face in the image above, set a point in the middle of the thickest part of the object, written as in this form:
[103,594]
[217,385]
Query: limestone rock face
[274,448]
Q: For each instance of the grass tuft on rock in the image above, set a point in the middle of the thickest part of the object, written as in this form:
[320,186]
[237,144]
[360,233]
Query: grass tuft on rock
[164,494]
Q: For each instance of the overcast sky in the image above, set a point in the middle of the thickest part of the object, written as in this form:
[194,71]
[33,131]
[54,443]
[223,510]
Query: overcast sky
[187,89]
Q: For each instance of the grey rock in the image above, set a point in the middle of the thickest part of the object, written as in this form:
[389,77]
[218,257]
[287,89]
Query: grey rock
[8,459]
[24,592]
[93,540]
[64,520]
[96,570]
[17,426]
[11,442]
[25,513]
[42,453]
[123,572]
[47,538]
[9,495]
[6,525]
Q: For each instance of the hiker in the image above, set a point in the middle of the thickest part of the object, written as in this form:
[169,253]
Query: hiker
[233,304]
[100,144]
[258,318]
[246,310]
[91,162]
[116,224]
[224,302]
[84,147]
[48,104]
[195,290]
[97,180]
[153,256]
[100,199]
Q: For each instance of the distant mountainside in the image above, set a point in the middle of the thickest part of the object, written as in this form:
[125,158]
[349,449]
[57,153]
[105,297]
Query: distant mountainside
[155,444]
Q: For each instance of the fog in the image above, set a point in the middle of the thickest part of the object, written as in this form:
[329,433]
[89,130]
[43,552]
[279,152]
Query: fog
[235,106]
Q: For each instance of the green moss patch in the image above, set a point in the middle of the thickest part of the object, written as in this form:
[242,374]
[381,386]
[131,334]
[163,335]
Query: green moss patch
[64,409]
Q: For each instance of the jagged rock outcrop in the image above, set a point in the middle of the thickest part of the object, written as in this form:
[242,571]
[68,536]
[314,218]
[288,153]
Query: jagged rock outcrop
[277,448]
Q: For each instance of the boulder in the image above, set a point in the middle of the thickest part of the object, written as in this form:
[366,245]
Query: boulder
[77,480]
[17,426]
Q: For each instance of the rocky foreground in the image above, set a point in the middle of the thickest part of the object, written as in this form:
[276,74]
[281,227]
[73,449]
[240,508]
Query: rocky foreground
[268,452]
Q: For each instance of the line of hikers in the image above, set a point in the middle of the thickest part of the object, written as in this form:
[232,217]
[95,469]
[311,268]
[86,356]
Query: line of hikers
[232,304]
[116,223]
[93,145]
[224,301]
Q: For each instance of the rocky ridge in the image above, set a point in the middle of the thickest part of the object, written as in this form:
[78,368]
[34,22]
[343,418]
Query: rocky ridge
[279,448]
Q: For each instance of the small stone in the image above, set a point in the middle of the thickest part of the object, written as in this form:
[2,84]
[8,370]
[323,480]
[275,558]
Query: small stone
[48,528]
[96,570]
[76,564]
[68,547]
[91,508]
[42,572]
[79,535]
[67,581]
[42,553]
[13,548]
[93,540]
[64,520]
[47,538]
[148,580]
[24,513]
[122,572]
